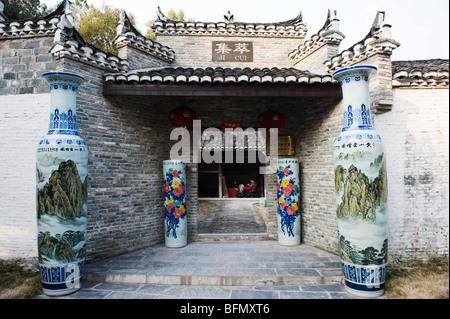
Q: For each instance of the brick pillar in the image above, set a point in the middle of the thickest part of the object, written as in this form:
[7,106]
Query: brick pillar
[270,181]
[192,200]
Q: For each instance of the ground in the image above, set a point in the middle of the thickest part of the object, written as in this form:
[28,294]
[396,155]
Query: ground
[19,279]
[427,281]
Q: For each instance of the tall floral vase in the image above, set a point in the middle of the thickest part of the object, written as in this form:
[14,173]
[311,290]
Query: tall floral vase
[288,212]
[61,181]
[361,188]
[175,226]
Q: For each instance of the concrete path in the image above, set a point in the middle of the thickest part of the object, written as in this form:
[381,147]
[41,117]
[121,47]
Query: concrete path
[233,216]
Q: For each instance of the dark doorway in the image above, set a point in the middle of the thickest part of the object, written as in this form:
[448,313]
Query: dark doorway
[208,180]
[208,184]
[215,179]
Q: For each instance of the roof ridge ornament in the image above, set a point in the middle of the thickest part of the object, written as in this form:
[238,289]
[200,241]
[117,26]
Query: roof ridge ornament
[127,34]
[65,25]
[332,22]
[299,16]
[378,41]
[228,18]
[328,34]
[378,22]
[66,7]
[332,14]
[160,15]
[124,24]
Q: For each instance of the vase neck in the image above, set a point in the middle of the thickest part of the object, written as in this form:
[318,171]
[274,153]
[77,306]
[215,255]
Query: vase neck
[357,117]
[63,98]
[355,93]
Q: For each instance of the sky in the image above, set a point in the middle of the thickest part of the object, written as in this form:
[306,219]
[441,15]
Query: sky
[421,27]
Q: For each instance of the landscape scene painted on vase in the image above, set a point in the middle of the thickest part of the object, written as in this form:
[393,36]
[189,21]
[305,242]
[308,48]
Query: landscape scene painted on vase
[361,192]
[61,207]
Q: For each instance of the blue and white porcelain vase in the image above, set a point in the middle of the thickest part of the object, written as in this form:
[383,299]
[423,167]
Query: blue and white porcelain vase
[361,188]
[61,181]
[175,226]
[288,205]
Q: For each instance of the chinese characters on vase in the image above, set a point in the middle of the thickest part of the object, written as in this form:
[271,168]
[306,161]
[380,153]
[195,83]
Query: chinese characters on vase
[361,189]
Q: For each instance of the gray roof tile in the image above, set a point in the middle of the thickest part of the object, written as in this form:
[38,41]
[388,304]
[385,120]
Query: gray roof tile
[217,74]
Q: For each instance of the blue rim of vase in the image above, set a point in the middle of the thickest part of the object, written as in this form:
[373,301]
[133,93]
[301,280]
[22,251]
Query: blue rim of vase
[176,161]
[370,67]
[64,73]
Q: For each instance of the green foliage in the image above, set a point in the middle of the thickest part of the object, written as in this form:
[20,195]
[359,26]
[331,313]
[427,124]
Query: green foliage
[25,9]
[392,274]
[172,15]
[98,26]
[77,7]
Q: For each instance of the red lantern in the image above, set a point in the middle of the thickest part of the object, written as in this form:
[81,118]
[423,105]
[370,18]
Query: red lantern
[182,117]
[271,119]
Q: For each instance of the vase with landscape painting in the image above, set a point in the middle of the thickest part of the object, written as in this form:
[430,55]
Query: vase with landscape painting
[360,188]
[61,190]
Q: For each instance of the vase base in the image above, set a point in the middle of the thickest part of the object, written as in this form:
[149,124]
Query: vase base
[286,245]
[176,246]
[61,292]
[365,292]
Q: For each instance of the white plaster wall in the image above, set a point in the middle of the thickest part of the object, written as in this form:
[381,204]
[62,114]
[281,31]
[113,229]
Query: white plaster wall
[23,122]
[416,138]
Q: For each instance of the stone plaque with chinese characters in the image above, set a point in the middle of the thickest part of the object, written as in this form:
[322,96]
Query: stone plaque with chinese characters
[228,51]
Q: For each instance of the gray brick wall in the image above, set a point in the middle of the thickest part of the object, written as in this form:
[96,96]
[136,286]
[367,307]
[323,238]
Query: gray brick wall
[318,125]
[315,61]
[22,62]
[197,51]
[139,59]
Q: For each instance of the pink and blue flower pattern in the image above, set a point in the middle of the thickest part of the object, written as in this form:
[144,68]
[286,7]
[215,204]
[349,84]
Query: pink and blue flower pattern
[288,199]
[174,200]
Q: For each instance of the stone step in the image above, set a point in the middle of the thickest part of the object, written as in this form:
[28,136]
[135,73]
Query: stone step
[215,280]
[258,263]
[232,237]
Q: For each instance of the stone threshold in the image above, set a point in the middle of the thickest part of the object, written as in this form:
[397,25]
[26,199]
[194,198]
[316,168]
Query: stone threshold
[213,280]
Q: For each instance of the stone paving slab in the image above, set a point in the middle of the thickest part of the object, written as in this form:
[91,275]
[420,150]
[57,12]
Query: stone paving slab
[95,290]
[220,263]
[233,216]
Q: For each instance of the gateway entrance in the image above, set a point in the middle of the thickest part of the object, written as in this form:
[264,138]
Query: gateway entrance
[230,180]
